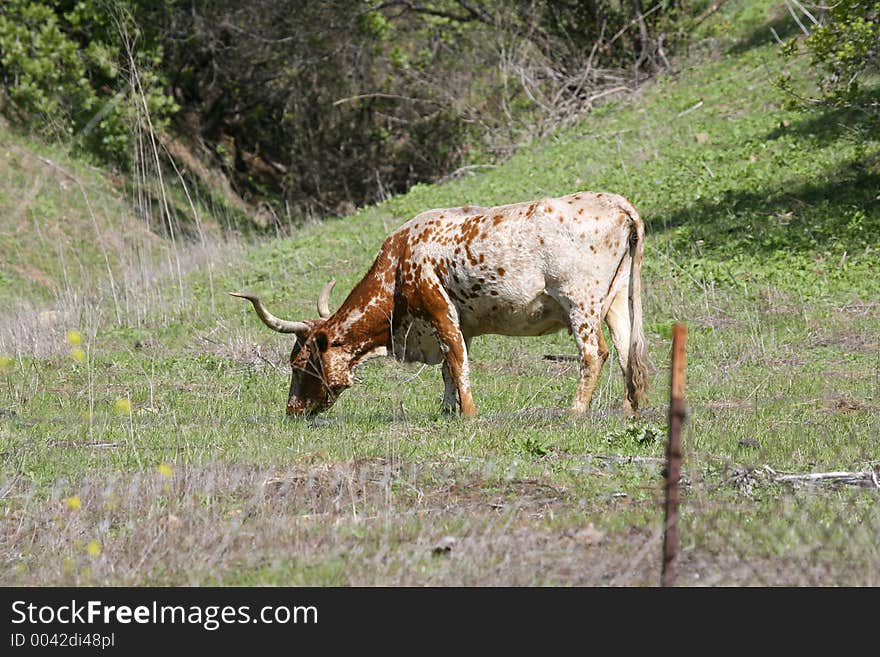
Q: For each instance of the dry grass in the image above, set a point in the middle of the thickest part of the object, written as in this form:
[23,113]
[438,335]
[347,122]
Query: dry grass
[376,521]
[77,251]
[365,522]
[140,298]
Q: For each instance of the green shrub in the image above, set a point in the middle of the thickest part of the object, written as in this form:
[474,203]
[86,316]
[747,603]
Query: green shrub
[82,70]
[843,48]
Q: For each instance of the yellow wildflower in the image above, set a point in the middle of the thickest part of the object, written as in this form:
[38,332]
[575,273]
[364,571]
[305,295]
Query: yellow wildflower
[75,338]
[93,549]
[123,405]
[73,502]
[165,470]
[77,354]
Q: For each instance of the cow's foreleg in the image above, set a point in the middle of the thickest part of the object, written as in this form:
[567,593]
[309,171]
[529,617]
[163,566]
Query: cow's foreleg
[441,312]
[587,332]
[450,389]
[456,364]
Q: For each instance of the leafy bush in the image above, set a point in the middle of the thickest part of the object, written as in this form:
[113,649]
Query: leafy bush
[843,48]
[84,70]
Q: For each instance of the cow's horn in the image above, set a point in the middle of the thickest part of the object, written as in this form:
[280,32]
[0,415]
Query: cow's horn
[324,300]
[274,323]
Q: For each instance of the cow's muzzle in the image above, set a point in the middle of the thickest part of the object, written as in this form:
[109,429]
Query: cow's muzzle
[300,409]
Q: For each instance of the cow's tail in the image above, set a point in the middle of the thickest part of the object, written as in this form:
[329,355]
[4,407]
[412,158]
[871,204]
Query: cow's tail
[637,364]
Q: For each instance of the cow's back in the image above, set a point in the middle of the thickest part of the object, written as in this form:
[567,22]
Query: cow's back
[507,268]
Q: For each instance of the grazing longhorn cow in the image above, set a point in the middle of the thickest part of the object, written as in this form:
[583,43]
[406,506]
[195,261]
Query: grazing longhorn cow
[450,274]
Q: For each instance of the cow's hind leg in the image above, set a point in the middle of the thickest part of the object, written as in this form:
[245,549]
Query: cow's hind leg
[619,322]
[587,332]
[450,391]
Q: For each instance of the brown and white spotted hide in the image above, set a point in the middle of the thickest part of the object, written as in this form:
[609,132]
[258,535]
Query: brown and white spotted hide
[449,275]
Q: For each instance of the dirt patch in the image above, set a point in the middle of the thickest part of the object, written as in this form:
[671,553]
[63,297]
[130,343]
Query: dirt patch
[35,275]
[847,406]
[718,320]
[852,340]
[791,360]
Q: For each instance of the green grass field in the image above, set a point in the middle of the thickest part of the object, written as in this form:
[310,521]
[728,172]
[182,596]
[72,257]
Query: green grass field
[150,447]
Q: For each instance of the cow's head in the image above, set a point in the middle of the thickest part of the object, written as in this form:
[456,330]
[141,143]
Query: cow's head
[320,370]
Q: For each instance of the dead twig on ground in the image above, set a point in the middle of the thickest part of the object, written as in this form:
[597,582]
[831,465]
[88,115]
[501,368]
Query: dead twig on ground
[690,109]
[854,478]
[618,458]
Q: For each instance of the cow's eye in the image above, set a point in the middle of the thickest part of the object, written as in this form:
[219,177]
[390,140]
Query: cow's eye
[321,341]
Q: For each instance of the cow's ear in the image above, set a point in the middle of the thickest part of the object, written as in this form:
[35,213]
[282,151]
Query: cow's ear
[321,341]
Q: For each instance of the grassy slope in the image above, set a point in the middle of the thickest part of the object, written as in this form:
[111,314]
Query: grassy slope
[58,219]
[762,235]
[79,241]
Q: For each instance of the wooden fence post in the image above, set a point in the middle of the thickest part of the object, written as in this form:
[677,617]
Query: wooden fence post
[677,415]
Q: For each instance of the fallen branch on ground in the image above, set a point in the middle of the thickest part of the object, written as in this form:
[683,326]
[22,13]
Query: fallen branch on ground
[615,458]
[859,478]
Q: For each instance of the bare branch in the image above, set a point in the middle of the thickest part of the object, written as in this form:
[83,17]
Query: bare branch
[383,95]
